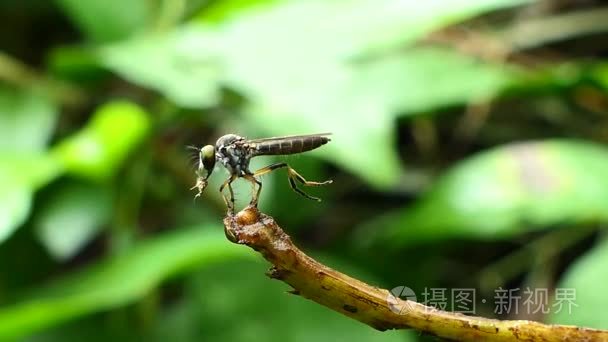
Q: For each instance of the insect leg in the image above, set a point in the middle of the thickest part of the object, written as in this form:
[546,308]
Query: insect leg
[292,183]
[229,203]
[256,194]
[294,174]
[269,168]
[252,178]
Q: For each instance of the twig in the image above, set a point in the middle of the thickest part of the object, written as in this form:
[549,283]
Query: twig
[532,33]
[374,306]
[20,74]
[542,250]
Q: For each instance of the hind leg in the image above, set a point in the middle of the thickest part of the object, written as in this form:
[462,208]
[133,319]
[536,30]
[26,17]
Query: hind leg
[292,176]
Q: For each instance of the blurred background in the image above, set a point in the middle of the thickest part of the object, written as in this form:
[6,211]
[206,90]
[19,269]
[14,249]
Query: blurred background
[468,152]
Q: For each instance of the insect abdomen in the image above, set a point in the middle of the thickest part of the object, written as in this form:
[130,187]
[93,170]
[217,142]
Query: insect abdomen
[290,145]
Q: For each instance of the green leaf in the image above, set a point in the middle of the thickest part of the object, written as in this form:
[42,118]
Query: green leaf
[347,28]
[305,78]
[15,202]
[117,281]
[181,64]
[107,20]
[428,78]
[27,120]
[508,190]
[20,176]
[266,312]
[219,11]
[359,103]
[71,217]
[587,277]
[77,64]
[101,147]
[599,73]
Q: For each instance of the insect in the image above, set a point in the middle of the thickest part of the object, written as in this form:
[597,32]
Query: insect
[234,153]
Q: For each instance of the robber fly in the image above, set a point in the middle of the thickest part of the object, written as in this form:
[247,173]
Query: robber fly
[235,152]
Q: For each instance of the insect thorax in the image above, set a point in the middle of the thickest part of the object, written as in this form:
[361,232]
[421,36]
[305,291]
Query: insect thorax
[233,152]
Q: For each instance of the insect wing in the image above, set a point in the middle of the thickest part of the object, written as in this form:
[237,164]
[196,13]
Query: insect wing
[288,137]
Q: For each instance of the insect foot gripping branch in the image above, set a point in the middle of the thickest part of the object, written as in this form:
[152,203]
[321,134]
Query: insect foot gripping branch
[372,305]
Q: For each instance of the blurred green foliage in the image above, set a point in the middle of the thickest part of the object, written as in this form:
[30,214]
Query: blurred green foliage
[73,216]
[334,66]
[461,148]
[96,151]
[585,274]
[115,281]
[505,191]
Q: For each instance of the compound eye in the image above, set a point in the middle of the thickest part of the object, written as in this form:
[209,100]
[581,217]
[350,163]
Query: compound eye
[207,159]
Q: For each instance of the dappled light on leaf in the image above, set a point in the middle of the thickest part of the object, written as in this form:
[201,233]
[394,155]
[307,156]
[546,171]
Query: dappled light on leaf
[318,84]
[98,150]
[116,281]
[507,191]
[587,301]
[72,217]
[469,150]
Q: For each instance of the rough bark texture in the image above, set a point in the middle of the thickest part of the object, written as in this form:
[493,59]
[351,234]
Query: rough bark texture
[372,305]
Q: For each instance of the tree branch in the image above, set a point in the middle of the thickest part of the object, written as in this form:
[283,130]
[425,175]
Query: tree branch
[374,306]
[18,73]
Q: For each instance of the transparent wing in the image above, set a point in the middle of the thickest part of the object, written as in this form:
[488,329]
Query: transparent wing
[288,137]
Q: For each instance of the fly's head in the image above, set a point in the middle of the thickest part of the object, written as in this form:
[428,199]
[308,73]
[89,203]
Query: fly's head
[206,163]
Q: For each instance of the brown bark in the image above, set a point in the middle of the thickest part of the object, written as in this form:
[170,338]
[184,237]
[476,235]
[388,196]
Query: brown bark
[374,306]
